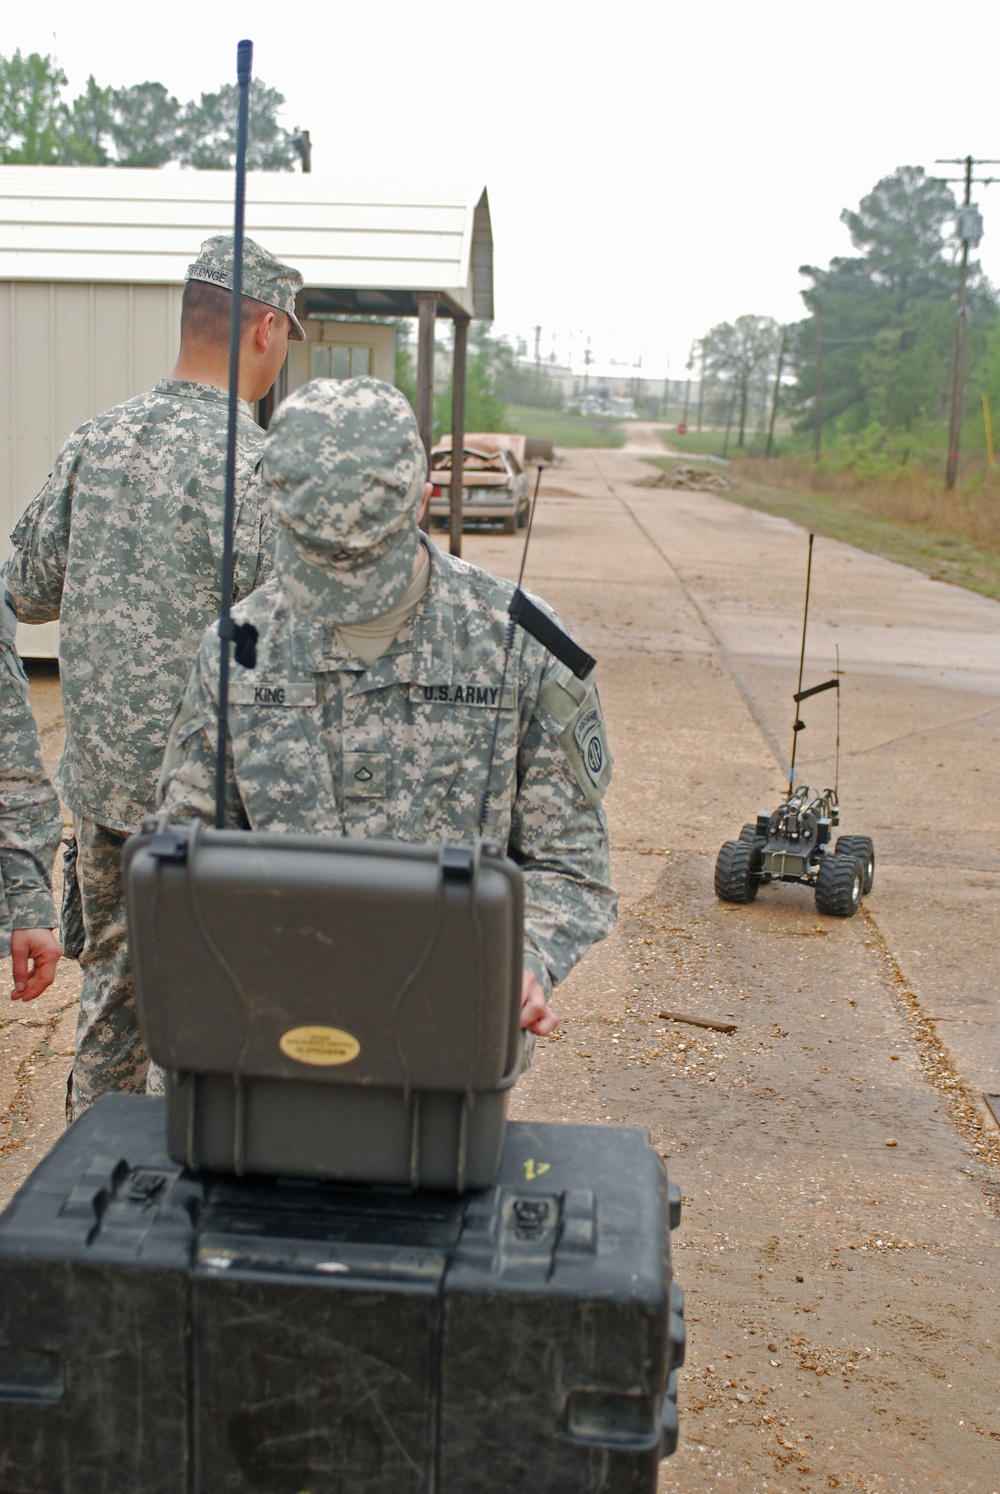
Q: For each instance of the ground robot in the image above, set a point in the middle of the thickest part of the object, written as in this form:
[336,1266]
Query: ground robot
[793,842]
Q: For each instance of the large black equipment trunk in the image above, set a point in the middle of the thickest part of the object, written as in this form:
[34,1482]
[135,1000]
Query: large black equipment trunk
[163,1332]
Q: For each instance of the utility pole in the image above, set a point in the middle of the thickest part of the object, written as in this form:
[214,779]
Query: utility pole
[687,387]
[969,226]
[729,423]
[819,384]
[701,384]
[777,387]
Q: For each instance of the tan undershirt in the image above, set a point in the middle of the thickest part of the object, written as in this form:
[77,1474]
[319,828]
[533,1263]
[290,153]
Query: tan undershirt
[369,640]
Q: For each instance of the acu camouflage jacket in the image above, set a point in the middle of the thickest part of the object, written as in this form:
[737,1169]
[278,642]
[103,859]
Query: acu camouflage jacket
[30,819]
[319,743]
[123,545]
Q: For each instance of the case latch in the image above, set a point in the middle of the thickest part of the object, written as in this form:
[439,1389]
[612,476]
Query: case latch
[170,843]
[458,863]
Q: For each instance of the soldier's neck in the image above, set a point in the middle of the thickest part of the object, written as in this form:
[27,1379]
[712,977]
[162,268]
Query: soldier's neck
[209,366]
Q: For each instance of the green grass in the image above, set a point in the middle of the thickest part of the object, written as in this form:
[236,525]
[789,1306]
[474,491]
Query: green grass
[698,443]
[950,539]
[563,429]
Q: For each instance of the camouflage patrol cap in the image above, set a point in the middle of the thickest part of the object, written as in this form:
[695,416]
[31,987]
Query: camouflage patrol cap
[345,468]
[264,277]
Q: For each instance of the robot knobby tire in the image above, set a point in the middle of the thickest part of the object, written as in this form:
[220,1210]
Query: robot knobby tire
[839,885]
[734,872]
[863,850]
[749,834]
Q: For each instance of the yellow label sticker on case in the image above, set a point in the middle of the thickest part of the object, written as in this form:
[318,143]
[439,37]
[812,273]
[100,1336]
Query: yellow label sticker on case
[319,1045]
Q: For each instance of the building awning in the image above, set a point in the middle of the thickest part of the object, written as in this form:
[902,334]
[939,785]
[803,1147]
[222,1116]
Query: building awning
[367,248]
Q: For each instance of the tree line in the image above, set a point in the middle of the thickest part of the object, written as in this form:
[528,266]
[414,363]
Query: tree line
[139,125]
[874,355]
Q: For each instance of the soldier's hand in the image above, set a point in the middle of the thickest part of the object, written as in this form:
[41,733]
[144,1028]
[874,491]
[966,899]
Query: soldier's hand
[535,1015]
[34,954]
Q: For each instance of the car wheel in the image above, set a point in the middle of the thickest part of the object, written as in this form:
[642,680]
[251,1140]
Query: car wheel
[510,524]
[863,850]
[523,516]
[735,868]
[838,886]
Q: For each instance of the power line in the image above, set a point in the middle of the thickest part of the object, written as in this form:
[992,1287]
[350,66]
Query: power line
[970,230]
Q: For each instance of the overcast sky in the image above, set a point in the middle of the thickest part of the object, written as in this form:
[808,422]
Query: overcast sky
[653,169]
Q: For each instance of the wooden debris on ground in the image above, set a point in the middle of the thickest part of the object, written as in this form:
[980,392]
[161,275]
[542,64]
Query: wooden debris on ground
[695,479]
[698,1021]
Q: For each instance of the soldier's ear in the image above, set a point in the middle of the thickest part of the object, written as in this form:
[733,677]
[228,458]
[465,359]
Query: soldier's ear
[263,330]
[428,489]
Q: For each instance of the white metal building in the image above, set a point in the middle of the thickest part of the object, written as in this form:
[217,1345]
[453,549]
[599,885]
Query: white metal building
[92,261]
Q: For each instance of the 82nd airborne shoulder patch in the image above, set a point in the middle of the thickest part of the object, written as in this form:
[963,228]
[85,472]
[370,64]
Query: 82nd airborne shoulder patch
[589,735]
[585,743]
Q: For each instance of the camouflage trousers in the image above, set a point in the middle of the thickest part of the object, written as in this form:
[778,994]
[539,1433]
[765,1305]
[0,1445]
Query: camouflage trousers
[110,1054]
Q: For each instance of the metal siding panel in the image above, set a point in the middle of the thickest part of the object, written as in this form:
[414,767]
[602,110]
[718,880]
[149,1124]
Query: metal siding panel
[144,227]
[112,381]
[29,447]
[384,360]
[32,440]
[385,275]
[381,340]
[298,362]
[156,320]
[38,640]
[37,221]
[71,388]
[81,184]
[317,269]
[8,421]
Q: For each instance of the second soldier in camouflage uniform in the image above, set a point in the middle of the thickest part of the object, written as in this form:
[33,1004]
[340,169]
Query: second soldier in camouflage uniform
[371,709]
[123,545]
[30,827]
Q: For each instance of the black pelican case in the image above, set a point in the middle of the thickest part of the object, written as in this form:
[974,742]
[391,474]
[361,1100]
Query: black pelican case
[327,1007]
[169,1333]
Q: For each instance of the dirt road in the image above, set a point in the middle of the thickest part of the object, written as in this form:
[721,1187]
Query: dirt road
[840,1246]
[643,438]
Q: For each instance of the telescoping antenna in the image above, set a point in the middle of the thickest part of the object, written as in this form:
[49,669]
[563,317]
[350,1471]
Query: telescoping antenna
[800,694]
[523,613]
[227,629]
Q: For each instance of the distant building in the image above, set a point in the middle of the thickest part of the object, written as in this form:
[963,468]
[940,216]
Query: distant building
[612,390]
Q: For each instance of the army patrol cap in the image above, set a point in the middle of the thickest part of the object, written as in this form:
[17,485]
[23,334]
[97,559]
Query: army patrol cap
[264,277]
[345,469]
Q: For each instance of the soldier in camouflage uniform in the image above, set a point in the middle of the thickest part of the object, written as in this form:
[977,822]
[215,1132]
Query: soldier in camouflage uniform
[123,545]
[30,827]
[371,709]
